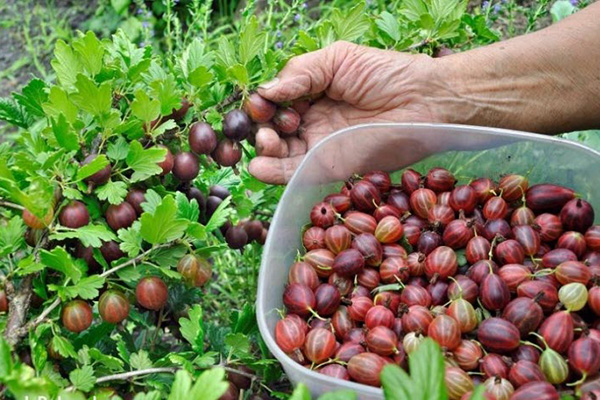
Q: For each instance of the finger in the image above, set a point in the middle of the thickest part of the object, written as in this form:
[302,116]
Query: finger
[275,171]
[269,144]
[306,74]
[296,146]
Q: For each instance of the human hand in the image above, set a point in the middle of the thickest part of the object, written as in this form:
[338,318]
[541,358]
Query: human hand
[360,85]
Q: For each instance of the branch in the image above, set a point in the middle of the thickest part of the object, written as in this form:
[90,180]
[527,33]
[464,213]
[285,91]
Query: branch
[40,318]
[11,205]
[127,375]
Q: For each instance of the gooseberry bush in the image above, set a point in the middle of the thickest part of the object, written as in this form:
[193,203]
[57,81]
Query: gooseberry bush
[130,228]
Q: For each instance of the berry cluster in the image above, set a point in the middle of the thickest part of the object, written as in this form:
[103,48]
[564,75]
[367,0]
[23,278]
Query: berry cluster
[501,275]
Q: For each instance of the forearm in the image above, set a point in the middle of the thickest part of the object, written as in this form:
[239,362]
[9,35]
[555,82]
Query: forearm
[547,82]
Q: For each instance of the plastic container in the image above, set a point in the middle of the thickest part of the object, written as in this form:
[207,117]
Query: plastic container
[468,151]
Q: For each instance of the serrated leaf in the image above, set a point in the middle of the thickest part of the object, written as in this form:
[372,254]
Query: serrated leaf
[59,260]
[89,235]
[65,135]
[192,328]
[162,128]
[118,150]
[200,76]
[90,51]
[110,362]
[28,266]
[239,344]
[196,230]
[352,24]
[145,108]
[144,162]
[389,24]
[94,99]
[251,41]
[114,192]
[239,74]
[140,360]
[86,288]
[59,103]
[220,216]
[14,113]
[163,226]
[32,97]
[181,386]
[83,378]
[211,385]
[187,209]
[63,347]
[98,163]
[131,240]
[11,236]
[167,93]
[66,64]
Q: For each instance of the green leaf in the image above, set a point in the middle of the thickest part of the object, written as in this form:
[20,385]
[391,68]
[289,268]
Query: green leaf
[131,240]
[32,97]
[163,226]
[187,209]
[301,393]
[307,42]
[220,216]
[114,192]
[397,385]
[339,395]
[6,361]
[181,386]
[110,362]
[200,77]
[239,344]
[66,64]
[83,378]
[28,266]
[426,367]
[63,347]
[192,328]
[211,385]
[140,360]
[72,394]
[89,235]
[251,41]
[90,51]
[98,163]
[441,9]
[86,288]
[389,24]
[14,114]
[225,53]
[59,260]
[561,10]
[479,393]
[65,135]
[351,25]
[144,108]
[59,103]
[91,98]
[167,93]
[11,236]
[413,9]
[239,74]
[118,150]
[144,162]
[162,128]
[120,5]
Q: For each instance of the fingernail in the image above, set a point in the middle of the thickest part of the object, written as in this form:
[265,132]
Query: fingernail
[270,84]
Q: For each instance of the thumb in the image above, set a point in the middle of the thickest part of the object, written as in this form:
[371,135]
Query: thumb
[306,74]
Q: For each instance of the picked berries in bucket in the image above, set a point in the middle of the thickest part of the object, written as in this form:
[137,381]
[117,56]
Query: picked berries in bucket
[503,275]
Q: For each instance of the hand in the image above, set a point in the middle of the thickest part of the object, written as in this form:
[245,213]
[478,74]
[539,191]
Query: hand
[360,85]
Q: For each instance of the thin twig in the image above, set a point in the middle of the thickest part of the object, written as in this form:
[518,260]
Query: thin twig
[40,318]
[11,205]
[127,375]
